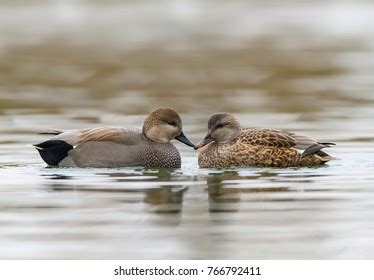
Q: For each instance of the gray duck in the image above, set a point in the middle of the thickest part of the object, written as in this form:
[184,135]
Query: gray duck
[116,146]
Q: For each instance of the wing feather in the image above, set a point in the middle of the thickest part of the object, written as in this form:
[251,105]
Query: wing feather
[268,137]
[119,135]
[282,139]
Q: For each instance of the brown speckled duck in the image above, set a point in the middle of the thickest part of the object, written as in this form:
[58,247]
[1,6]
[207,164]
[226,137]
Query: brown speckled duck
[227,144]
[118,147]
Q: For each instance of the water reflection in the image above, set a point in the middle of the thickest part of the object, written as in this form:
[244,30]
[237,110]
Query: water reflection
[271,65]
[225,189]
[220,198]
[163,197]
[166,199]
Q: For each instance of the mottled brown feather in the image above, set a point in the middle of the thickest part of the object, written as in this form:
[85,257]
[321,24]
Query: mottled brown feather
[259,147]
[268,137]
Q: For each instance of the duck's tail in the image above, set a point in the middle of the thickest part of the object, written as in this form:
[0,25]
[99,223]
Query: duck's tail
[53,151]
[325,157]
[317,149]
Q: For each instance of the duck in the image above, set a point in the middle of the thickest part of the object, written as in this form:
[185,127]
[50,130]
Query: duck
[116,146]
[228,145]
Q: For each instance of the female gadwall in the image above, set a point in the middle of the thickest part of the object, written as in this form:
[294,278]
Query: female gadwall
[118,147]
[232,146]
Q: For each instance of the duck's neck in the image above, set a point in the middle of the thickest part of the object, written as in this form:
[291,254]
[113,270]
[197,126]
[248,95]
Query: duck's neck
[235,135]
[154,135]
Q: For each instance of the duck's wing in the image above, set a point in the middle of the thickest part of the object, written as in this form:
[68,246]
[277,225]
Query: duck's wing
[282,139]
[126,136]
[268,137]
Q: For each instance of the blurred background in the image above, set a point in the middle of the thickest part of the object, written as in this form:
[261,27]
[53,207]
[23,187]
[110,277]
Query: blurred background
[128,57]
[303,65]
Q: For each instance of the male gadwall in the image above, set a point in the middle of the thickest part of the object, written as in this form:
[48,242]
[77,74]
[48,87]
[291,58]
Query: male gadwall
[118,147]
[229,145]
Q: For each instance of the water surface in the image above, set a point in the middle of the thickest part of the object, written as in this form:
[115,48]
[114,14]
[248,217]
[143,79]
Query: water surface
[110,64]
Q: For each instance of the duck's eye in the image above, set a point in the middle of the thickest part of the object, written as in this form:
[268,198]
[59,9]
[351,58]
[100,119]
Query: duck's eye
[220,125]
[172,123]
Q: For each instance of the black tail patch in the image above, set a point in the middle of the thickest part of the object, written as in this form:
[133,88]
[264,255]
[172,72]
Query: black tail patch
[316,148]
[53,151]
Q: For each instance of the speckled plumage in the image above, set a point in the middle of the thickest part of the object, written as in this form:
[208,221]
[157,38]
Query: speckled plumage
[118,147]
[242,154]
[257,147]
[128,147]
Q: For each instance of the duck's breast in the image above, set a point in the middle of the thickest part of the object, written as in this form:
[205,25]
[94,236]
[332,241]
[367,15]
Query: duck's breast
[227,155]
[164,155]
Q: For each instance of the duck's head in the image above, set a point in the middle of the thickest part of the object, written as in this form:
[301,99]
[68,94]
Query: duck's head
[163,125]
[222,128]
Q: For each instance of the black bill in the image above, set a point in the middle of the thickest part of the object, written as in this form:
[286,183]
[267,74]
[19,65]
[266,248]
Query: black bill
[182,138]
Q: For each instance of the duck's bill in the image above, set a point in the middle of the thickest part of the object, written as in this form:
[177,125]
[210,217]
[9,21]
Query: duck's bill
[182,138]
[205,141]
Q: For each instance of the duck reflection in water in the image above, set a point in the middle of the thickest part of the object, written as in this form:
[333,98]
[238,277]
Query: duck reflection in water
[167,199]
[154,186]
[225,194]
